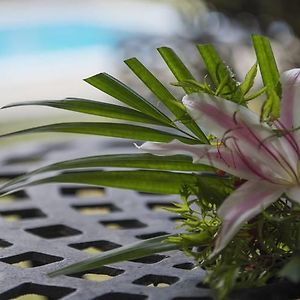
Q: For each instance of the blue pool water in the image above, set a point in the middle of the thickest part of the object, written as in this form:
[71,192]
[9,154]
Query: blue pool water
[57,37]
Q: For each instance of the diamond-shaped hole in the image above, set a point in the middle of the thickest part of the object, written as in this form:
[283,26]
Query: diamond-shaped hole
[160,206]
[4,244]
[123,224]
[151,259]
[185,266]
[33,291]
[31,259]
[99,274]
[95,247]
[156,280]
[121,296]
[16,196]
[20,214]
[83,192]
[150,235]
[23,160]
[96,209]
[53,231]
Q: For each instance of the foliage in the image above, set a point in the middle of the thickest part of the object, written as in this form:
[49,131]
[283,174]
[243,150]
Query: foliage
[260,249]
[265,250]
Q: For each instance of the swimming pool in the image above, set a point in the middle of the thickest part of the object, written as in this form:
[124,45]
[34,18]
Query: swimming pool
[45,38]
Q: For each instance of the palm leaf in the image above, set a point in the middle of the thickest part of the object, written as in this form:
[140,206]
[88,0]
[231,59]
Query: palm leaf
[136,160]
[267,62]
[129,252]
[248,82]
[108,129]
[270,76]
[95,108]
[142,161]
[161,182]
[177,67]
[220,74]
[113,87]
[165,96]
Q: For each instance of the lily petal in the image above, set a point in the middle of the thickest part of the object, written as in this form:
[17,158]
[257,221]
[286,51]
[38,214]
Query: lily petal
[176,147]
[290,114]
[243,204]
[218,157]
[290,109]
[294,194]
[237,127]
[220,116]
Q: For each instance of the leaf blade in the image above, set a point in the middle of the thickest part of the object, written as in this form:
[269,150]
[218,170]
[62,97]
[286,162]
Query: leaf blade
[144,161]
[248,82]
[177,67]
[270,76]
[94,108]
[129,252]
[115,88]
[149,181]
[107,129]
[165,96]
[141,161]
[219,72]
[266,62]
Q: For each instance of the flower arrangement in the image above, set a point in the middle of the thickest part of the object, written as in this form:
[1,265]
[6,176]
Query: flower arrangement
[237,171]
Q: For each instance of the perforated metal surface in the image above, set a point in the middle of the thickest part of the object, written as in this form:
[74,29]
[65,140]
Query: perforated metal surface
[50,226]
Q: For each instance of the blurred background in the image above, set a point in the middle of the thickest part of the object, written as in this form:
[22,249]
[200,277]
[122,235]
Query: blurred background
[48,47]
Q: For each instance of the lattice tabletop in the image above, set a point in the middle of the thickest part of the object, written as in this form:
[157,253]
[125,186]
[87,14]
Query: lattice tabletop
[47,227]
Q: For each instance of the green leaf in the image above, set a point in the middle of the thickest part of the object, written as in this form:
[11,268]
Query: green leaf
[291,270]
[220,73]
[156,87]
[164,95]
[95,108]
[108,129]
[136,160]
[270,76]
[205,185]
[222,86]
[175,64]
[194,85]
[271,107]
[256,94]
[129,252]
[248,82]
[123,93]
[215,66]
[144,161]
[161,182]
[267,63]
[214,189]
[193,239]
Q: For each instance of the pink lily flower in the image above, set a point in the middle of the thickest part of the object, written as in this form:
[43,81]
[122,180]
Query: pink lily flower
[266,156]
